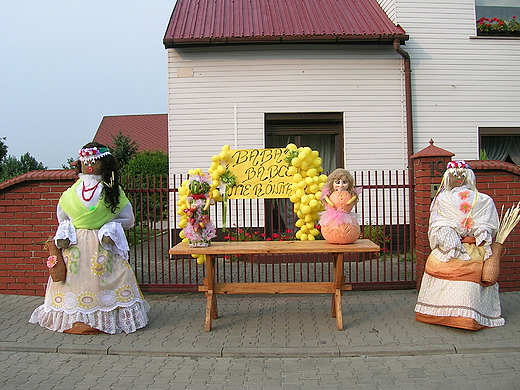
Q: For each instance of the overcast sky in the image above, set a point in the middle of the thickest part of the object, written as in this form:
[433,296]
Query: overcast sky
[64,64]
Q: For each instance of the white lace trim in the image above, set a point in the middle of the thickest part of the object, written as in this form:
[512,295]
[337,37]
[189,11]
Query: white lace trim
[121,319]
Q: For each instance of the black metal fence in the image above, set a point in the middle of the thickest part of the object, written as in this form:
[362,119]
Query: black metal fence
[383,212]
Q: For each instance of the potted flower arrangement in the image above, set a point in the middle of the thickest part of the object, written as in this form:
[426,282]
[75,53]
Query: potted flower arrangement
[498,27]
[199,229]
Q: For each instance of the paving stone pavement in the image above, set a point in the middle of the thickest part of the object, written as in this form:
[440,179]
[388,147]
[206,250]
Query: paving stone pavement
[264,342]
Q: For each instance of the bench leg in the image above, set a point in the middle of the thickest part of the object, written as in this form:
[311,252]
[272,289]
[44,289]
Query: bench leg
[211,298]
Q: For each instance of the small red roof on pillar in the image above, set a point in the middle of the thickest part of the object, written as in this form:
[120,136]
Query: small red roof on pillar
[433,151]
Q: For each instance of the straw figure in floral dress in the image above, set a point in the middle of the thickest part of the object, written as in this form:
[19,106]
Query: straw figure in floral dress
[100,293]
[463,223]
[339,225]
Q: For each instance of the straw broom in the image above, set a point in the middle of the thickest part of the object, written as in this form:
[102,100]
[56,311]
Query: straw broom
[508,221]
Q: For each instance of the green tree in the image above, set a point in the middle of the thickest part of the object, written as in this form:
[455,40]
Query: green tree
[69,165]
[3,149]
[11,167]
[147,163]
[124,149]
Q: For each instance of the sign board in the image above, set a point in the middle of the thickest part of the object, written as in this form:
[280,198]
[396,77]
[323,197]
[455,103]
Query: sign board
[260,173]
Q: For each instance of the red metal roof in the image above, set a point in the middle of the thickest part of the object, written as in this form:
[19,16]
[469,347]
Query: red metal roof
[245,21]
[150,131]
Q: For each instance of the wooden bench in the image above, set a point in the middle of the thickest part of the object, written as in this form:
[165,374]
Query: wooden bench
[335,287]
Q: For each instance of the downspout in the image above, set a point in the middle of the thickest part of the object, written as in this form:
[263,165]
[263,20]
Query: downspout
[409,135]
[408,97]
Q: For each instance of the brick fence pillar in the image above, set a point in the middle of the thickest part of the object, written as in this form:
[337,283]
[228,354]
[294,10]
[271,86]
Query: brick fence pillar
[428,167]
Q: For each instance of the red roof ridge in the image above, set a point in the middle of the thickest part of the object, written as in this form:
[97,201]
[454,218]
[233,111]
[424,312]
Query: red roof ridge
[493,165]
[40,175]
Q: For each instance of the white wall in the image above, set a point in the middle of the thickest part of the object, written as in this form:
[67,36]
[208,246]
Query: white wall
[459,82]
[207,84]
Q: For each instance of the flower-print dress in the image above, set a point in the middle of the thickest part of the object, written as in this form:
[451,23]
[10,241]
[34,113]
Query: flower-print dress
[100,289]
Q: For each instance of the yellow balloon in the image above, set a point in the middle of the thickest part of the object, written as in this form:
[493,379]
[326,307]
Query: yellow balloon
[310,237]
[309,218]
[298,234]
[297,178]
[215,193]
[308,180]
[292,170]
[304,228]
[306,209]
[215,158]
[302,184]
[314,204]
[294,198]
[225,148]
[221,169]
[291,147]
[312,172]
[304,165]
[305,199]
[300,192]
[215,175]
[296,162]
[310,225]
[314,188]
[323,178]
[299,223]
[181,234]
[304,237]
[182,224]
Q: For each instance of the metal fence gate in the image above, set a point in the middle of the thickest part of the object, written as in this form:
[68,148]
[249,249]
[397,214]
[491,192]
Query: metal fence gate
[384,211]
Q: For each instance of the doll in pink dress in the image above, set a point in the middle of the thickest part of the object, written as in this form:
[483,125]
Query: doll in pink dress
[339,224]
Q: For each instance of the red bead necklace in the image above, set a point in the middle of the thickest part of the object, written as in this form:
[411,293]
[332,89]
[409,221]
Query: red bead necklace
[92,191]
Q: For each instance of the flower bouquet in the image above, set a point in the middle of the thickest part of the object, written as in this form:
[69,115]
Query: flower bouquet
[199,230]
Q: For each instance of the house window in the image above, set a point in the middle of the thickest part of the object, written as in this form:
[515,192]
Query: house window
[498,17]
[500,143]
[319,131]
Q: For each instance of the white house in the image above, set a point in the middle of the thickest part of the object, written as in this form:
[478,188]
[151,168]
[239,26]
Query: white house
[333,75]
[465,87]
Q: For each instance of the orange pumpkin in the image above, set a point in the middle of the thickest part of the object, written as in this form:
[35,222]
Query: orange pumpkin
[345,233]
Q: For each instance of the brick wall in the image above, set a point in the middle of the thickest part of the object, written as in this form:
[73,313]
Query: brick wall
[497,179]
[27,218]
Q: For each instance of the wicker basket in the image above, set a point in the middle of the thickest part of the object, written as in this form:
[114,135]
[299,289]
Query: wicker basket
[491,267]
[59,271]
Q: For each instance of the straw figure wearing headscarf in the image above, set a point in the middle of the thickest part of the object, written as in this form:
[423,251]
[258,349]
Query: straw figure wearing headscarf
[463,223]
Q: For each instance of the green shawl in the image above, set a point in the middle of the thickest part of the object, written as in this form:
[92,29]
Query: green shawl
[84,218]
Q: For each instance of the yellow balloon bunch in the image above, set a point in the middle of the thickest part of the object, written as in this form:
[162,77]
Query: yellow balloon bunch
[218,168]
[305,168]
